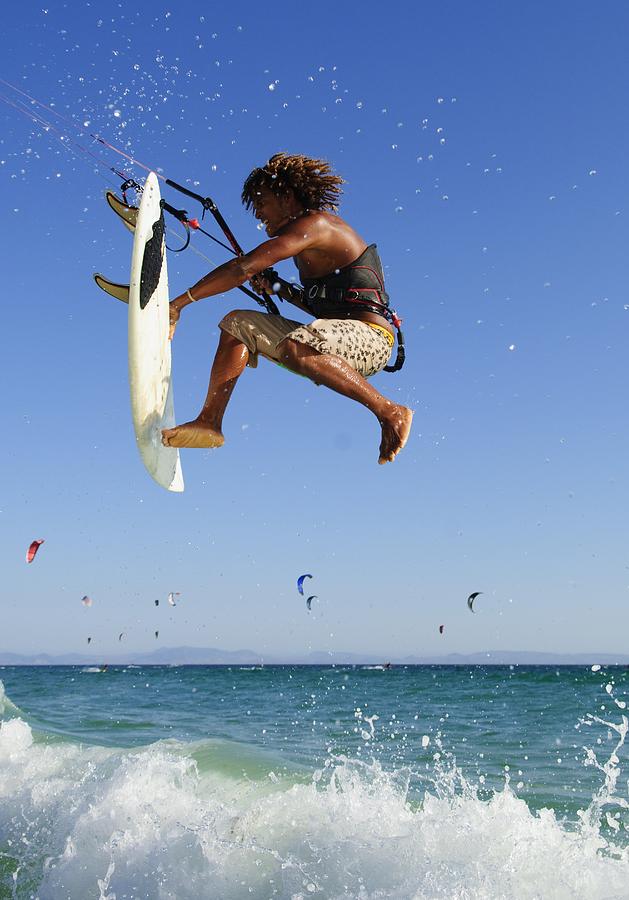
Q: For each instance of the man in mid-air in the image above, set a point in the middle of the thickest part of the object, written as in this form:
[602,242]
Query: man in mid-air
[343,287]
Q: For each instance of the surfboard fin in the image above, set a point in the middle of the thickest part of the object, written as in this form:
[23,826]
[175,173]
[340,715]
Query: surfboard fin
[119,291]
[128,214]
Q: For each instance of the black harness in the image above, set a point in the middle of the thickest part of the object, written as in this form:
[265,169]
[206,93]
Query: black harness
[357,287]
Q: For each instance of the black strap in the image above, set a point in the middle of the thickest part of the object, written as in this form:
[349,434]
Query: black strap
[182,216]
[401,352]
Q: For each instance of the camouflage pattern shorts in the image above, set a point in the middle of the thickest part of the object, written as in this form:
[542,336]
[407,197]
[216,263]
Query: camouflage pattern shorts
[365,348]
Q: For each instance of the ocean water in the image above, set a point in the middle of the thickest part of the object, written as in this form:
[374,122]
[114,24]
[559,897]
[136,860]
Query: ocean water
[328,782]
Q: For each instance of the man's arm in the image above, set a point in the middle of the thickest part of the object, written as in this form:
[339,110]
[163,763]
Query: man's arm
[225,277]
[289,243]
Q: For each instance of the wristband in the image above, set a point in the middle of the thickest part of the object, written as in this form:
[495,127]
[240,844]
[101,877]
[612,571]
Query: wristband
[190,297]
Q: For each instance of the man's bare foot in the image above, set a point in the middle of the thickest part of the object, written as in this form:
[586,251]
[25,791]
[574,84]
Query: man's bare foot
[193,434]
[396,427]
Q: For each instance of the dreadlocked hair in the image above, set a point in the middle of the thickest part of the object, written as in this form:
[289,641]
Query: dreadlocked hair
[311,180]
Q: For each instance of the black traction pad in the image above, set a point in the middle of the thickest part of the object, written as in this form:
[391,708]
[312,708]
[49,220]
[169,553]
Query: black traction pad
[152,263]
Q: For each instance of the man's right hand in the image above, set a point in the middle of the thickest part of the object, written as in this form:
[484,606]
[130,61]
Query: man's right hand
[173,316]
[265,282]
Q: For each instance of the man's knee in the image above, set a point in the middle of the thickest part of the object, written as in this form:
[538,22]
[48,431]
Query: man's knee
[232,318]
[289,352]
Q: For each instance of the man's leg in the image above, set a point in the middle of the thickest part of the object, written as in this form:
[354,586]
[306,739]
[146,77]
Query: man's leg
[337,374]
[206,430]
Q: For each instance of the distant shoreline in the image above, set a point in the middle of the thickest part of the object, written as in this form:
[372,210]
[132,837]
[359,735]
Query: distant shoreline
[200,657]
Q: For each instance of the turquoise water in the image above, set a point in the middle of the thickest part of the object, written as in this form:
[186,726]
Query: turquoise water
[290,781]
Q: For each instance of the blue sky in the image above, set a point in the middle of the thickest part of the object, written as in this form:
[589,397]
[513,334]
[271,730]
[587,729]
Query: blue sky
[484,148]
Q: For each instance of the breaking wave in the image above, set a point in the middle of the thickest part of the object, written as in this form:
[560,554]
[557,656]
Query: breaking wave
[218,819]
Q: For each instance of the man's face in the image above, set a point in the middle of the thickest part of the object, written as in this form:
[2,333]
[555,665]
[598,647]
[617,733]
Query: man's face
[270,210]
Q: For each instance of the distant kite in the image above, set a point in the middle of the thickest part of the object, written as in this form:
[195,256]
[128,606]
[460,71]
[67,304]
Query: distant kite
[441,627]
[300,583]
[86,601]
[32,550]
[157,603]
[470,600]
[310,599]
[156,634]
[89,640]
[121,635]
[171,597]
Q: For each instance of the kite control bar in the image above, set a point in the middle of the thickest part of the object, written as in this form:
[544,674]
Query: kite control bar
[209,205]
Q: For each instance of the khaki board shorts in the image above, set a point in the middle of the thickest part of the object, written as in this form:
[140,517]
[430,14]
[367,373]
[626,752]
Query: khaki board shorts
[366,349]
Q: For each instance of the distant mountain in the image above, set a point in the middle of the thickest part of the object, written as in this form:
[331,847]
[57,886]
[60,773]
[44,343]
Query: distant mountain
[42,659]
[190,656]
[212,656]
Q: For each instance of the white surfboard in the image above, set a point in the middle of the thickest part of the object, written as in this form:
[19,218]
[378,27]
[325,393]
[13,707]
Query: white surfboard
[149,348]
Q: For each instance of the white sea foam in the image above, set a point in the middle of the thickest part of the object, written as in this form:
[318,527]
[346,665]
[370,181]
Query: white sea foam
[7,708]
[83,822]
